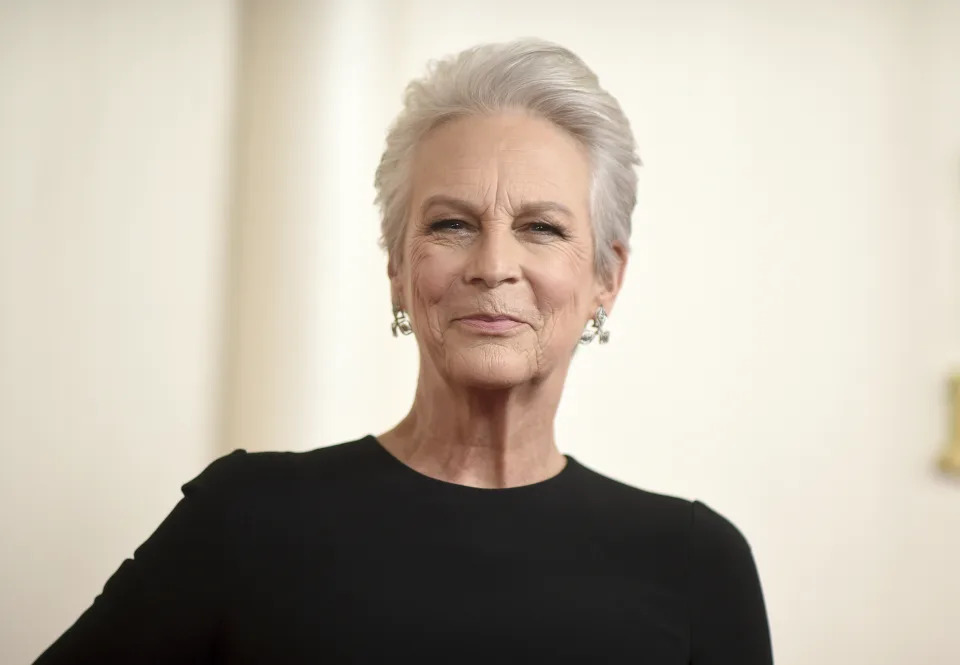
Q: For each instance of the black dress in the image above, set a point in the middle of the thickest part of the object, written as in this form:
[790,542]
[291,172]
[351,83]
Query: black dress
[346,555]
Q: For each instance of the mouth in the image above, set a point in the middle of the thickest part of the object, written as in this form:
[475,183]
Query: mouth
[490,324]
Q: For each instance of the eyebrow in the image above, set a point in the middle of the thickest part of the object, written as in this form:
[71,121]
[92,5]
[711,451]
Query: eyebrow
[467,208]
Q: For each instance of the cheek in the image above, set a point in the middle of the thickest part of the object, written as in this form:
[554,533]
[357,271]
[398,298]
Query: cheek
[431,273]
[564,276]
[561,294]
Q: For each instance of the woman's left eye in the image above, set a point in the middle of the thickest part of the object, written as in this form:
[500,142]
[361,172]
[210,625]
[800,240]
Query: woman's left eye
[545,228]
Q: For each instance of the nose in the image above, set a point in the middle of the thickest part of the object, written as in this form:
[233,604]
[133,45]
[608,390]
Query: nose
[494,257]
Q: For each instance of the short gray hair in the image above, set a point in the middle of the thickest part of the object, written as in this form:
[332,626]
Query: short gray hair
[532,75]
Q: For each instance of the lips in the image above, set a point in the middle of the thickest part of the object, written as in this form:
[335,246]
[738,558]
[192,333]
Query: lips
[490,323]
[489,317]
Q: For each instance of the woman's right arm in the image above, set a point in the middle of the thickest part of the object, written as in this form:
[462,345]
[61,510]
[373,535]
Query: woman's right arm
[164,604]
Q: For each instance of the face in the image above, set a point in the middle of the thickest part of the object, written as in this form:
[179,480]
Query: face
[497,271]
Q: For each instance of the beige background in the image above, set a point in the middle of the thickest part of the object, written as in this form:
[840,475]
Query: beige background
[188,264]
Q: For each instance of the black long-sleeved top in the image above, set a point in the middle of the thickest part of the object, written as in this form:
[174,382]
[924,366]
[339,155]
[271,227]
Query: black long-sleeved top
[346,555]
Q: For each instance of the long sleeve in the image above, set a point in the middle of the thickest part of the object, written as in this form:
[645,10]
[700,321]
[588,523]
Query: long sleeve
[728,613]
[163,605]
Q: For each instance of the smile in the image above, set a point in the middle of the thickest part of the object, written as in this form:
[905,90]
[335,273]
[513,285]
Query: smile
[490,325]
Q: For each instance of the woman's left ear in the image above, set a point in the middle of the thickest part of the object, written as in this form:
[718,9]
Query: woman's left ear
[612,282]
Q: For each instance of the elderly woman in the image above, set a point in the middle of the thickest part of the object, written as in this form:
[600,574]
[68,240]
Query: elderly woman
[462,535]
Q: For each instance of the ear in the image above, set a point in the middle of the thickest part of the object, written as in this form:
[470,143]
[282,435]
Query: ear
[610,287]
[396,285]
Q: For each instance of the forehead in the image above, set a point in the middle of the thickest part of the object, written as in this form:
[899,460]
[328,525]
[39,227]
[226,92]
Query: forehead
[499,158]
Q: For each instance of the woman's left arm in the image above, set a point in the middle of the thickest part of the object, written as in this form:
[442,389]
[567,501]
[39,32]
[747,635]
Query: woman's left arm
[728,615]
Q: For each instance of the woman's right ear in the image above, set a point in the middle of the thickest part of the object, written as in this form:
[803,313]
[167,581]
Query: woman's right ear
[396,291]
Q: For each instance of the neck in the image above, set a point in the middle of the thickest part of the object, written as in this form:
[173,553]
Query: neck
[481,437]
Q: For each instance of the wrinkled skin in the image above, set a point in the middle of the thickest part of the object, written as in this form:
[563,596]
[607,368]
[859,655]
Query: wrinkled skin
[498,223]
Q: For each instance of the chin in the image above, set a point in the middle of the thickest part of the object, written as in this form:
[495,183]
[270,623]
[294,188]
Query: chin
[491,367]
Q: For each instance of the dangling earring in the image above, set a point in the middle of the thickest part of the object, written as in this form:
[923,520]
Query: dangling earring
[595,328]
[400,322]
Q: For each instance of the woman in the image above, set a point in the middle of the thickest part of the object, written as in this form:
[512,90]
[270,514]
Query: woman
[462,535]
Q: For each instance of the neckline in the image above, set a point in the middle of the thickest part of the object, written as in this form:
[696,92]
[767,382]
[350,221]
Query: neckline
[541,485]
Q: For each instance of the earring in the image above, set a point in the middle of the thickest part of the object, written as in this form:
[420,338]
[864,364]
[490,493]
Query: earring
[594,328]
[400,322]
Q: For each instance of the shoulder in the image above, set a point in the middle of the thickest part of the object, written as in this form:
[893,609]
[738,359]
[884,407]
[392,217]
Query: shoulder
[641,520]
[721,559]
[264,475]
[713,532]
[691,522]
[633,503]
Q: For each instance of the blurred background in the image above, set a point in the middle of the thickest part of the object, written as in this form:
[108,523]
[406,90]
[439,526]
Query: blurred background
[189,264]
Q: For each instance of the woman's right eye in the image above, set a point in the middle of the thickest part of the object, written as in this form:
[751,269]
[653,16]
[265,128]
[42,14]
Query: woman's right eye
[447,224]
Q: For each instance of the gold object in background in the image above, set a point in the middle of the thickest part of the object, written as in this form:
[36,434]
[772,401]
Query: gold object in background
[950,462]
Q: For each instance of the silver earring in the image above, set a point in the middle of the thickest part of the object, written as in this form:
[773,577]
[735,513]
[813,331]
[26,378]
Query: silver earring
[595,328]
[400,322]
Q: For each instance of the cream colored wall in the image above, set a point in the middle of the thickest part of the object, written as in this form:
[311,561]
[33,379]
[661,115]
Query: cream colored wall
[791,311]
[779,349]
[113,174]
